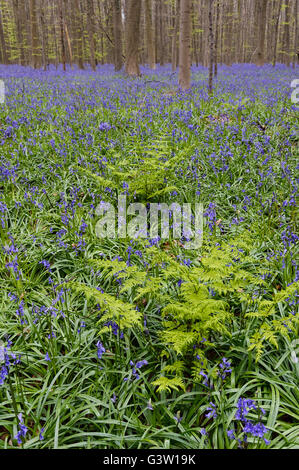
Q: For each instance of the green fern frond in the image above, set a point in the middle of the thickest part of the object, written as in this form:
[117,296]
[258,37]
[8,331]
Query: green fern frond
[167,385]
[176,368]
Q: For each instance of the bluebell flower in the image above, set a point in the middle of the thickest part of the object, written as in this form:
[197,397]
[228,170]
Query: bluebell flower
[231,434]
[104,126]
[178,418]
[46,264]
[138,365]
[22,429]
[206,379]
[100,350]
[212,411]
[114,326]
[41,434]
[244,405]
[255,429]
[225,368]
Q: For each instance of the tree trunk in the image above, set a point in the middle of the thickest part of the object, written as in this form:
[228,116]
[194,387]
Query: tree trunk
[78,35]
[68,40]
[34,34]
[211,46]
[90,26]
[3,43]
[276,33]
[162,32]
[44,38]
[20,39]
[185,45]
[109,29]
[132,38]
[61,24]
[149,34]
[261,9]
[295,52]
[286,34]
[174,53]
[229,43]
[117,27]
[239,32]
[216,38]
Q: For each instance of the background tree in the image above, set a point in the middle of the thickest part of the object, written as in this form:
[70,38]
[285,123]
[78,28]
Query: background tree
[175,53]
[91,32]
[261,9]
[62,42]
[78,34]
[132,37]
[19,31]
[286,33]
[276,29]
[3,44]
[34,34]
[295,44]
[117,27]
[96,31]
[185,45]
[217,15]
[150,34]
[43,38]
[211,45]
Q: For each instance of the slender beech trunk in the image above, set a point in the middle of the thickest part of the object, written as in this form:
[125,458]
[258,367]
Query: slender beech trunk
[286,34]
[2,41]
[174,48]
[211,46]
[44,38]
[16,10]
[161,31]
[132,38]
[149,34]
[34,35]
[185,45]
[69,45]
[90,26]
[117,28]
[261,9]
[61,25]
[78,34]
[216,38]
[276,29]
[295,52]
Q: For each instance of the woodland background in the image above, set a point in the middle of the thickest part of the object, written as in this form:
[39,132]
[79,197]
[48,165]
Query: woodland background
[128,32]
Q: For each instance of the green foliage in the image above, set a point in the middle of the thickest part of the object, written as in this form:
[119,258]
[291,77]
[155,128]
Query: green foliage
[99,180]
[223,285]
[270,327]
[167,385]
[232,298]
[113,309]
[150,172]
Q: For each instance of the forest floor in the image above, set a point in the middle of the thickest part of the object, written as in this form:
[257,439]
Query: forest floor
[124,342]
